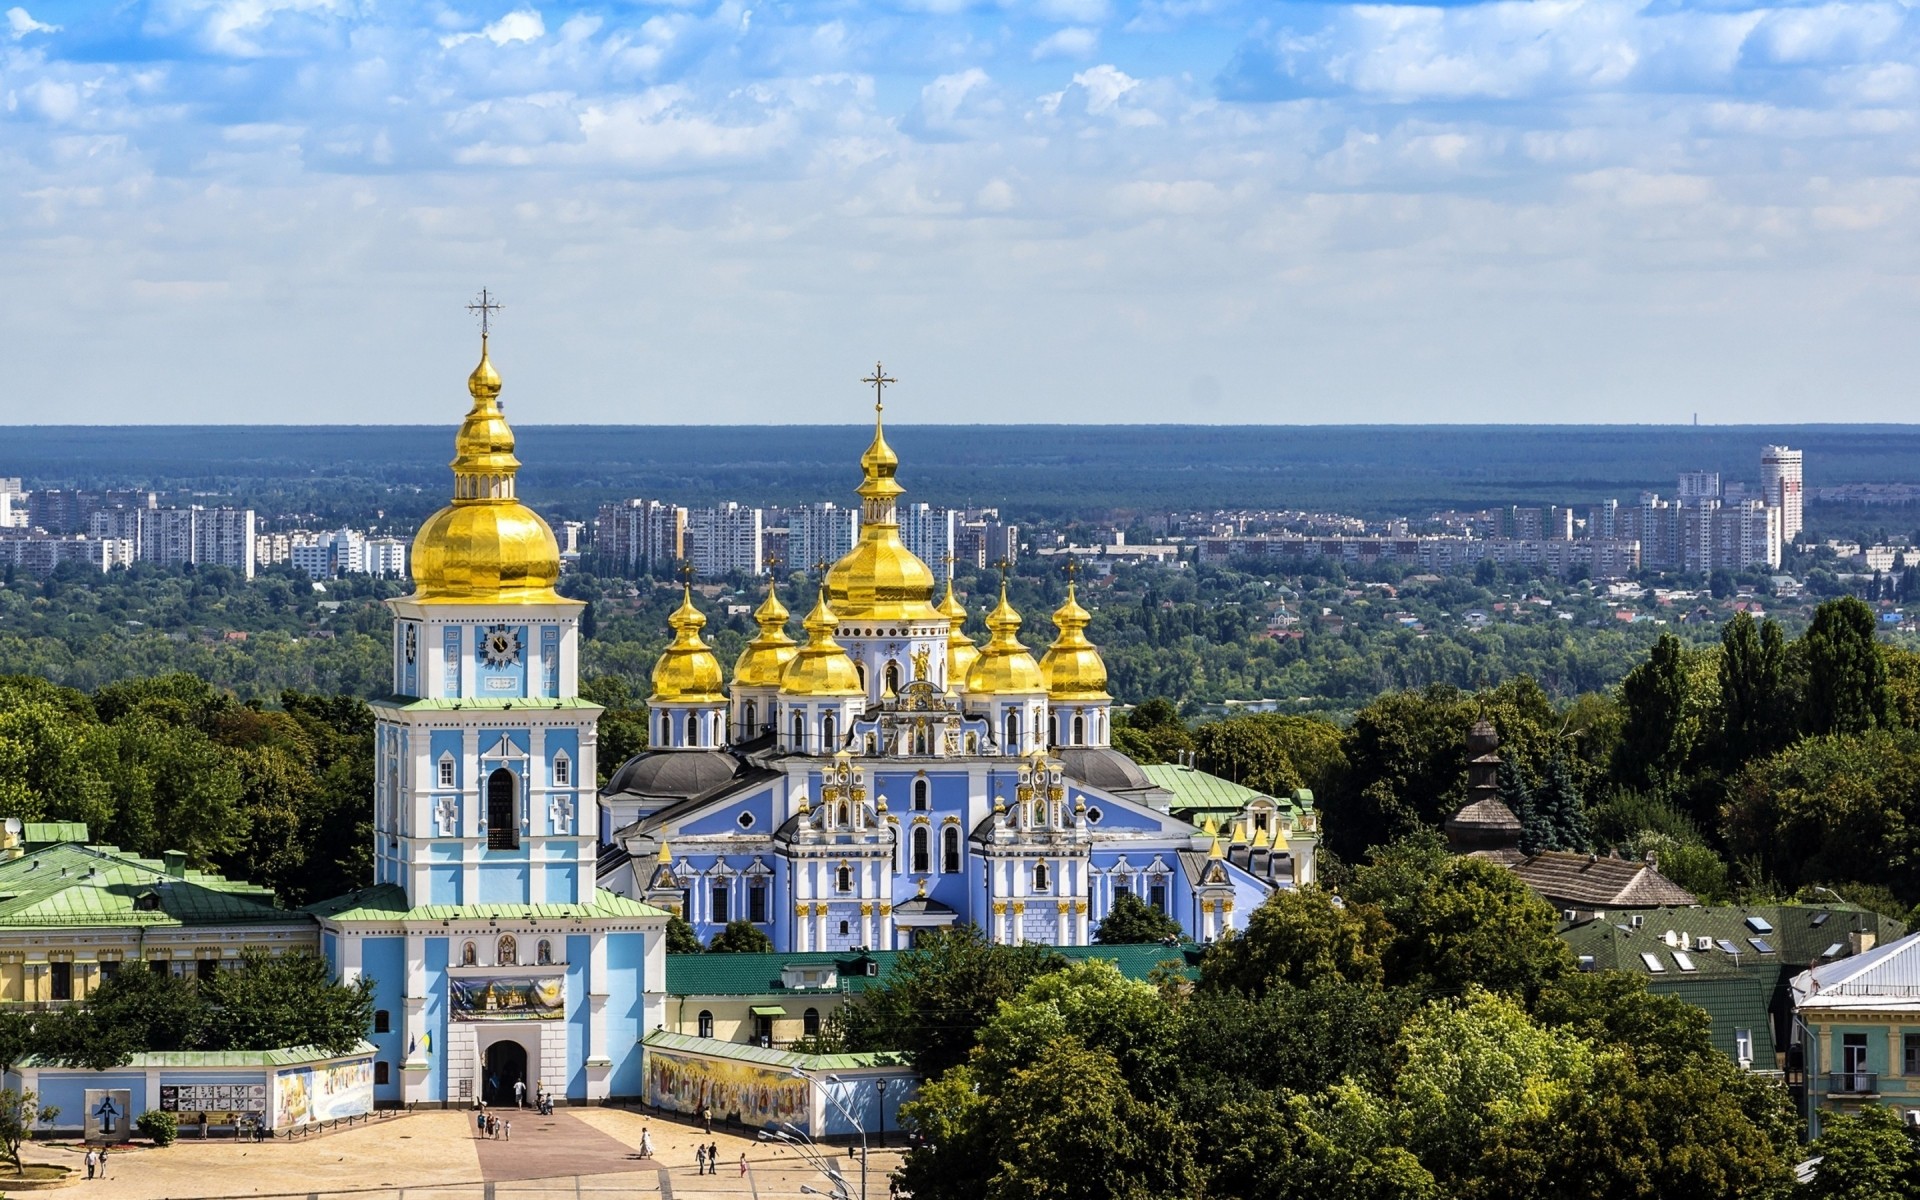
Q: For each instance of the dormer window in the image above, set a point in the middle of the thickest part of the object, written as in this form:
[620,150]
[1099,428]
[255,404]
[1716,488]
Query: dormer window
[562,771]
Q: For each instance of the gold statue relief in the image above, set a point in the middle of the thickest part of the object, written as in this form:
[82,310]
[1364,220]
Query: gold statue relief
[921,659]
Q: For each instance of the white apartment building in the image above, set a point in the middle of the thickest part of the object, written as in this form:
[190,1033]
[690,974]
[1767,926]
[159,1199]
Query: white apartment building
[347,552]
[725,540]
[821,533]
[639,536]
[385,557]
[1780,484]
[929,532]
[178,537]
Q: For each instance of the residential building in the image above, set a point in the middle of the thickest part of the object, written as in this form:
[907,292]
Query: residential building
[178,537]
[640,537]
[1696,487]
[385,558]
[224,537]
[818,533]
[1781,485]
[928,531]
[1600,558]
[1857,1028]
[725,540]
[41,554]
[61,510]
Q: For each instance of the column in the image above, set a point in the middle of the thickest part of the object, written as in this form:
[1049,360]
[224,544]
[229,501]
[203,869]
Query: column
[886,926]
[539,811]
[820,925]
[475,807]
[596,1047]
[802,929]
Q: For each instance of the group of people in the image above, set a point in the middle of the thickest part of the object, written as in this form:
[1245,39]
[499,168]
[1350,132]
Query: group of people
[709,1159]
[96,1161]
[486,1125]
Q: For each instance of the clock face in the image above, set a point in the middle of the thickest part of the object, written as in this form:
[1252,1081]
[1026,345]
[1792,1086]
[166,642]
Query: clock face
[502,647]
[413,642]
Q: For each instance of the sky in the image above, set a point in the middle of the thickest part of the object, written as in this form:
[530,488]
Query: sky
[1216,211]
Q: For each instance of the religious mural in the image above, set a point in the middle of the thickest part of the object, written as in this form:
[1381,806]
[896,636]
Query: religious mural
[735,1091]
[307,1094]
[509,999]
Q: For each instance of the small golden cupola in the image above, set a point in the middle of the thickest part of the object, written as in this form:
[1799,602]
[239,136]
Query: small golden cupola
[1072,665]
[767,655]
[486,547]
[821,668]
[687,672]
[1005,666]
[961,652]
[880,579]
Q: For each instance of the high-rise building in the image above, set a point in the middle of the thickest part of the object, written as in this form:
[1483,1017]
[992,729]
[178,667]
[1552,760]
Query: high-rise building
[640,537]
[822,532]
[1698,486]
[59,510]
[724,540]
[928,531]
[1781,485]
[224,537]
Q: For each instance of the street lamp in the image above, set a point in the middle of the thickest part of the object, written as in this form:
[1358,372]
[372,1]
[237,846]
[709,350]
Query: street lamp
[857,1126]
[811,1154]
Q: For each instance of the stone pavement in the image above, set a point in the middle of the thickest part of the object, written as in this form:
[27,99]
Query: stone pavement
[577,1154]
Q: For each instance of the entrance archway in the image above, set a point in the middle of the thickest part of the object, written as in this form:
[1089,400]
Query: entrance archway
[505,1064]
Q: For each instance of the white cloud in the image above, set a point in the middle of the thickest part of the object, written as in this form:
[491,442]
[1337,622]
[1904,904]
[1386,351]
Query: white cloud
[20,23]
[1077,12]
[521,25]
[1072,42]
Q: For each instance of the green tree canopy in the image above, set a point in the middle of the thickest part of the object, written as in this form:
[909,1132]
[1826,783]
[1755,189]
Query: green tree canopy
[1132,921]
[740,937]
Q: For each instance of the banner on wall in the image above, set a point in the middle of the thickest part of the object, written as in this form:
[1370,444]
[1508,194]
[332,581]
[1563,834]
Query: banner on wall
[214,1098]
[735,1091]
[109,1114]
[306,1094]
[508,999]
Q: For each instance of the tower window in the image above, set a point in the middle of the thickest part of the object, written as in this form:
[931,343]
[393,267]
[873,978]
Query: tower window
[950,850]
[920,790]
[666,730]
[503,825]
[843,816]
[1079,730]
[749,715]
[844,928]
[382,1021]
[562,771]
[920,854]
[826,732]
[843,879]
[446,772]
[1013,732]
[799,732]
[893,676]
[1041,880]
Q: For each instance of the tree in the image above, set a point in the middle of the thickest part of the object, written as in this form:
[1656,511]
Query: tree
[134,1012]
[1536,828]
[1615,1008]
[1752,717]
[681,939]
[269,1001]
[1089,1000]
[19,1113]
[1561,811]
[1832,808]
[1655,740]
[740,937]
[17,1039]
[1865,1156]
[1152,733]
[1846,682]
[1295,937]
[1132,921]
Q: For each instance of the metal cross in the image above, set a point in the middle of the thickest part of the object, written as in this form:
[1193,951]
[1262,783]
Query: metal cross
[879,379]
[486,306]
[1073,569]
[685,572]
[1003,566]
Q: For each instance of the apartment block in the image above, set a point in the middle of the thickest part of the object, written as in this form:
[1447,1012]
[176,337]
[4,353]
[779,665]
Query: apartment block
[640,536]
[725,540]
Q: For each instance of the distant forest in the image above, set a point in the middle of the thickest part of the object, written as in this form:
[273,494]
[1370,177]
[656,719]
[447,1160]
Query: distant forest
[346,473]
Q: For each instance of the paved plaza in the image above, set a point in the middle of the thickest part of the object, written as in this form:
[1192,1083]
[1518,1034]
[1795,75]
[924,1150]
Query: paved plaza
[581,1154]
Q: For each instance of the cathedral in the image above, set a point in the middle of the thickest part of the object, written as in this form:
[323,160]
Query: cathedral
[885,775]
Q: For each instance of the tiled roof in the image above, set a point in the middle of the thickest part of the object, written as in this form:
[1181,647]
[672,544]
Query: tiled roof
[1796,935]
[290,1056]
[387,903]
[69,885]
[661,1039]
[1580,880]
[759,974]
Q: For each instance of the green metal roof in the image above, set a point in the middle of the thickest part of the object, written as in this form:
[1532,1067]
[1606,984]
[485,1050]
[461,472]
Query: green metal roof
[661,1039]
[759,974]
[35,834]
[1196,791]
[70,885]
[387,903]
[289,1056]
[482,704]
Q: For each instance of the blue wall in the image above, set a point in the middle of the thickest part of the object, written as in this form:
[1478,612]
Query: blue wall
[433,1015]
[385,960]
[67,1091]
[626,971]
[579,951]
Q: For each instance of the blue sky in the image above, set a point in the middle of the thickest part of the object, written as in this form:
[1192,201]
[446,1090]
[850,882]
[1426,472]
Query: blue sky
[1033,210]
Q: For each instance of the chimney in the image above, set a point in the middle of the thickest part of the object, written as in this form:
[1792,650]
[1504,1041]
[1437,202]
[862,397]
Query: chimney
[175,862]
[1860,941]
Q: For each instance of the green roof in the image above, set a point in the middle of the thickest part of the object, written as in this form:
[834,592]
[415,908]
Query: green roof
[759,974]
[35,834]
[387,903]
[71,885]
[482,704]
[660,1039]
[1195,790]
[289,1056]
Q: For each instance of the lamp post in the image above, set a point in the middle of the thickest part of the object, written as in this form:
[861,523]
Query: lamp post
[880,1086]
[810,1153]
[857,1127]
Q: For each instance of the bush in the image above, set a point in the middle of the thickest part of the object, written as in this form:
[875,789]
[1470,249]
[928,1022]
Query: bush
[161,1127]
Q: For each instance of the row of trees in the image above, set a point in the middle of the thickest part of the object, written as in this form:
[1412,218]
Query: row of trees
[1425,1034]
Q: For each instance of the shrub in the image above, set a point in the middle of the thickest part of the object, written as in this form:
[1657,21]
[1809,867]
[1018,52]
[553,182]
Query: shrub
[162,1127]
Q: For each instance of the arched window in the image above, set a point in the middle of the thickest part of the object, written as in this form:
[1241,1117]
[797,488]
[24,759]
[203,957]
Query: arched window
[749,715]
[706,1023]
[860,669]
[843,816]
[1013,732]
[893,676]
[810,1022]
[920,795]
[469,956]
[950,849]
[666,730]
[503,823]
[843,879]
[507,954]
[920,854]
[826,733]
[1040,879]
[1079,730]
[543,953]
[693,729]
[799,731]
[921,745]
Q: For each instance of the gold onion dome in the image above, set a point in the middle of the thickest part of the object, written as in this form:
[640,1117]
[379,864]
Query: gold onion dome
[1005,667]
[961,652]
[688,672]
[486,547]
[767,655]
[821,666]
[1072,665]
[880,579]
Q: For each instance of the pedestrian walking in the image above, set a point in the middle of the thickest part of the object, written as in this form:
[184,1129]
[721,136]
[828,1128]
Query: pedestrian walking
[480,1123]
[700,1155]
[743,1164]
[706,1114]
[646,1142]
[93,1160]
[519,1093]
[713,1158]
[507,1127]
[103,1162]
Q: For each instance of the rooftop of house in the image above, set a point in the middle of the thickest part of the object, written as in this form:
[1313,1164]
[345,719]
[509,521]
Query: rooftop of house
[1883,979]
[1719,939]
[856,971]
[66,883]
[1583,881]
[1201,793]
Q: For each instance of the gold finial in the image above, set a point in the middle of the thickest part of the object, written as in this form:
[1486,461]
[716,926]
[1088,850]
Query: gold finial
[666,855]
[1215,851]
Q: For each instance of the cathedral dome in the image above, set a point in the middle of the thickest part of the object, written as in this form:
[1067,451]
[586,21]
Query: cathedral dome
[821,667]
[961,652]
[880,579]
[1073,667]
[1005,666]
[766,656]
[486,547]
[688,672]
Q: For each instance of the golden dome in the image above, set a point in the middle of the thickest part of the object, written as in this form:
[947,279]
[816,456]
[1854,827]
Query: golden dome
[767,655]
[1005,667]
[880,579]
[486,547]
[1072,665]
[687,672]
[961,652]
[821,666]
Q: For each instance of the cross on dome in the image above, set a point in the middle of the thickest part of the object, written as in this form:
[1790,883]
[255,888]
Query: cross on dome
[485,307]
[879,379]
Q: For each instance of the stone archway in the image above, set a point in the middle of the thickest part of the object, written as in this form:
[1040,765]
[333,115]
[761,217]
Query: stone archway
[503,1065]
